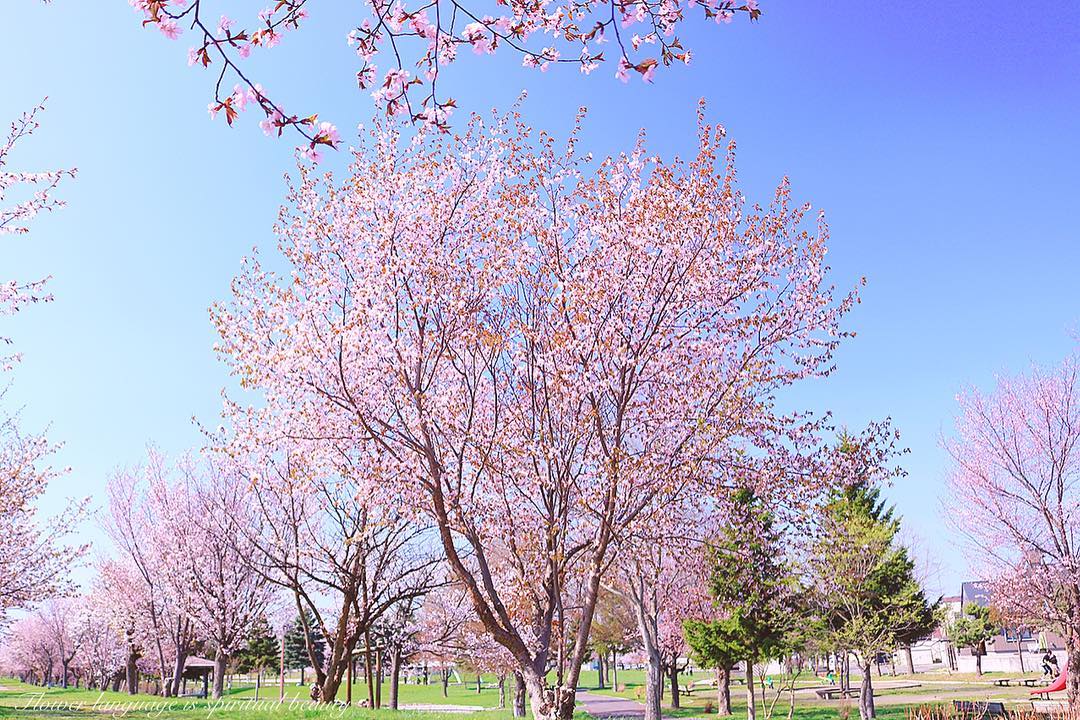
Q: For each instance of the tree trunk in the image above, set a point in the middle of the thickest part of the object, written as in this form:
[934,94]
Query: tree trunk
[723,691]
[178,673]
[64,669]
[978,661]
[219,673]
[445,681]
[131,672]
[502,692]
[1072,667]
[599,670]
[866,694]
[751,701]
[911,661]
[519,695]
[479,684]
[395,676]
[548,702]
[673,674]
[654,685]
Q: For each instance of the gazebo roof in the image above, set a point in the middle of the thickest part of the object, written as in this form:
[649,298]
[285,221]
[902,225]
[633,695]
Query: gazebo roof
[194,662]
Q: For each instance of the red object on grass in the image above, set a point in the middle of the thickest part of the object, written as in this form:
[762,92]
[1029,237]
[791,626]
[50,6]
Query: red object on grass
[1056,686]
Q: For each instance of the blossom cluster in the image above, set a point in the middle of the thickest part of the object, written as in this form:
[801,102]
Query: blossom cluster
[403,46]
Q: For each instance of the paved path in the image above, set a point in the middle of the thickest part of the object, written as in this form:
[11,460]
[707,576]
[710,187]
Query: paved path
[607,706]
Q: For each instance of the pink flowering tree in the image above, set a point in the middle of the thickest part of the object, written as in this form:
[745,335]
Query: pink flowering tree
[533,351]
[34,194]
[403,47]
[28,651]
[34,559]
[62,623]
[140,522]
[103,656]
[340,559]
[1014,492]
[123,600]
[222,594]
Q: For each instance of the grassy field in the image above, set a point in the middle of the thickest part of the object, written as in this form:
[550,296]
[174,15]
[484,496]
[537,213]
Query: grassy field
[893,694]
[27,701]
[23,702]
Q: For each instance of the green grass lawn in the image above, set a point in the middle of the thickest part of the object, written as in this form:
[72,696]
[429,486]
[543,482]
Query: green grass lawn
[21,701]
[933,687]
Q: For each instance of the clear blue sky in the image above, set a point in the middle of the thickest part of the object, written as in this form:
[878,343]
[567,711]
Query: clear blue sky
[940,137]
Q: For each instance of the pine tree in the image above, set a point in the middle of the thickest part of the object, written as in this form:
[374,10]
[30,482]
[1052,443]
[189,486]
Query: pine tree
[755,594]
[296,650]
[262,650]
[864,581]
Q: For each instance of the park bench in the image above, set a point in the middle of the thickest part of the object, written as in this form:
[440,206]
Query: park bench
[971,709]
[1049,707]
[1026,682]
[832,693]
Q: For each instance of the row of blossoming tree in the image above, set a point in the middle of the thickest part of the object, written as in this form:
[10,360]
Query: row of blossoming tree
[497,382]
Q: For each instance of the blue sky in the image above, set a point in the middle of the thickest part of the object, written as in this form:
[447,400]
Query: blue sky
[940,137]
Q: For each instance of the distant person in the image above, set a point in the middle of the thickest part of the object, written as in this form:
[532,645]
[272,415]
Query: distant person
[1050,665]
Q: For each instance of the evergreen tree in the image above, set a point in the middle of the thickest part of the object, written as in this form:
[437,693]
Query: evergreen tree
[972,630]
[262,649]
[714,645]
[864,581]
[755,594]
[296,651]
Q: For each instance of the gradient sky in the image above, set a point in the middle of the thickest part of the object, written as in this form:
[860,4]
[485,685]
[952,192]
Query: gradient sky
[942,139]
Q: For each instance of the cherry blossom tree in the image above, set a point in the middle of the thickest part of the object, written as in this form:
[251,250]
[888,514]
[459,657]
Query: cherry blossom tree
[104,653]
[28,652]
[62,623]
[1014,492]
[222,595]
[403,47]
[533,351]
[138,520]
[342,560]
[34,561]
[15,219]
[123,598]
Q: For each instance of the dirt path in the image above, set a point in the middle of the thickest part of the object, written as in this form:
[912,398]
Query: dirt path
[607,706]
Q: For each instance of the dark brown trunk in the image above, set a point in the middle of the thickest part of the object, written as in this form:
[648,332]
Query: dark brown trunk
[599,670]
[131,672]
[519,695]
[395,676]
[502,692]
[673,676]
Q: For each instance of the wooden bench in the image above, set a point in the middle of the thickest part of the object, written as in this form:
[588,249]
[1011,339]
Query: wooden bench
[971,709]
[835,692]
[1026,682]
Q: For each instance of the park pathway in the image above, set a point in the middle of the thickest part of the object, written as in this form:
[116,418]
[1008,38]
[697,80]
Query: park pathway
[607,706]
